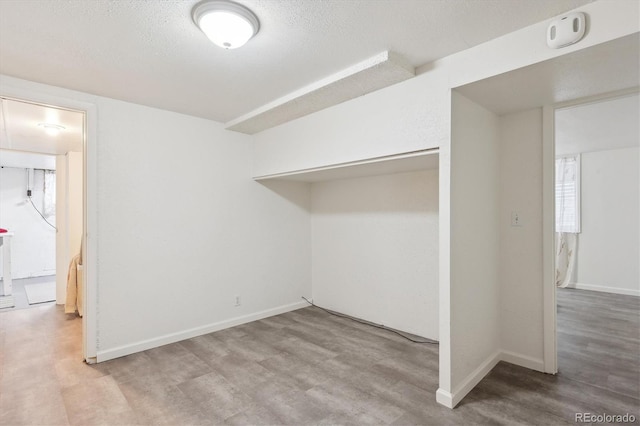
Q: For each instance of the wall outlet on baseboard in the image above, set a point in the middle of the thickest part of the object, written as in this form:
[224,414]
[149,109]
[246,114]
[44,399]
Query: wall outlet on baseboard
[237,301]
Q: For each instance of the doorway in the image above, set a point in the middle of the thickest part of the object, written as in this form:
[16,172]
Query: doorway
[28,218]
[526,100]
[597,224]
[55,130]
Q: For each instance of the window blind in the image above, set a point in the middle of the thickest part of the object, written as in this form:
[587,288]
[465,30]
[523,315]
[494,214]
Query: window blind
[568,194]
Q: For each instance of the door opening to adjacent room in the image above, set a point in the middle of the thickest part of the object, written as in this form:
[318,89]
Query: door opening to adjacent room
[597,225]
[28,218]
[42,203]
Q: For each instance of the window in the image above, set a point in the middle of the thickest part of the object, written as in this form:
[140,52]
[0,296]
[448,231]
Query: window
[568,194]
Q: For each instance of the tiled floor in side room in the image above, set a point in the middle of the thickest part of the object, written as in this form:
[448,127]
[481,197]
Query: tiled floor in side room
[20,296]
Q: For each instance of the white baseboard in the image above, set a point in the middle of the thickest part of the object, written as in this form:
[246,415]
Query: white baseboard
[129,349]
[451,399]
[523,361]
[445,398]
[605,289]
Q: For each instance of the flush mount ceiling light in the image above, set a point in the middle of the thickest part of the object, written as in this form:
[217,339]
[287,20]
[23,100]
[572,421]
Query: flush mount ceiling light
[227,24]
[51,129]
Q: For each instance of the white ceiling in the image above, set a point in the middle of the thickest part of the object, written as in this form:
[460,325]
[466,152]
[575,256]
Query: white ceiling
[601,69]
[150,52]
[20,130]
[609,124]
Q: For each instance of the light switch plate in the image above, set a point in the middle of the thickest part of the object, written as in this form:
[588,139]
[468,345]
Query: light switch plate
[516,219]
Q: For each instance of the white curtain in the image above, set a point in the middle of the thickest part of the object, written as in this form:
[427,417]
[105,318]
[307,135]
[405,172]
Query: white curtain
[567,217]
[566,245]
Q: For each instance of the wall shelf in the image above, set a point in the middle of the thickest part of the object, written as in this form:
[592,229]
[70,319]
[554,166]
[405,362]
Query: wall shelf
[400,163]
[380,71]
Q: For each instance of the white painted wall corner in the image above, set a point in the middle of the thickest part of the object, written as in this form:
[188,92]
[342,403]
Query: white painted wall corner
[523,361]
[451,399]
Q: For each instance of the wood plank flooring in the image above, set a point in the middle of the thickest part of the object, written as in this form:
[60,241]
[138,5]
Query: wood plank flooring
[308,367]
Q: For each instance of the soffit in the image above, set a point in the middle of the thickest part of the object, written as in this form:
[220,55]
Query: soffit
[601,69]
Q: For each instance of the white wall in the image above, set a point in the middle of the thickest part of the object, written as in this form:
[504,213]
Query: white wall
[70,207]
[74,201]
[182,228]
[521,266]
[402,118]
[608,246]
[417,114]
[601,125]
[21,159]
[235,223]
[33,246]
[607,134]
[375,249]
[474,250]
[62,251]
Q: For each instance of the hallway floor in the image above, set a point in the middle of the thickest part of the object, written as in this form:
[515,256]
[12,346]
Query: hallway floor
[304,367]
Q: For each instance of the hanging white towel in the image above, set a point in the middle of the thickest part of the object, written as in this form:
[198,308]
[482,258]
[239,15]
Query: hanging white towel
[75,288]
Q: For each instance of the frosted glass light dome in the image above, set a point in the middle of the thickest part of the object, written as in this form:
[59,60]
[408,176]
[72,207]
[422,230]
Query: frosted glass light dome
[227,24]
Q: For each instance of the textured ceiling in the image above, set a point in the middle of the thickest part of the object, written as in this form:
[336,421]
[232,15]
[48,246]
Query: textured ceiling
[149,52]
[609,124]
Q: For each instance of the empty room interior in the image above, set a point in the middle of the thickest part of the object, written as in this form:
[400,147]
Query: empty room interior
[345,212]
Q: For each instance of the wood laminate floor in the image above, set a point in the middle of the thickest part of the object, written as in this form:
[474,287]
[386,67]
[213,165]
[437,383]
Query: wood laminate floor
[307,367]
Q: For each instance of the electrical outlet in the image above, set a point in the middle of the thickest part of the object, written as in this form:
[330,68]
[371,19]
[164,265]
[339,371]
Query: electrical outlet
[237,300]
